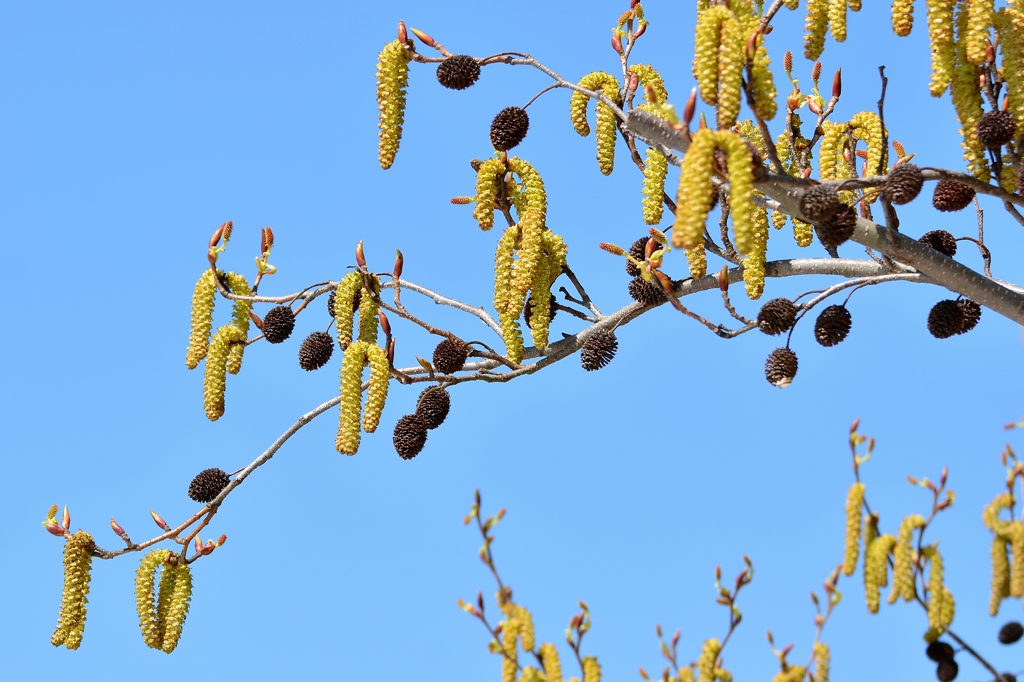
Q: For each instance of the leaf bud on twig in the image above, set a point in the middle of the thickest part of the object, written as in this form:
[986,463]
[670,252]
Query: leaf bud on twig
[65,519]
[403,35]
[616,42]
[116,527]
[384,323]
[399,264]
[159,521]
[691,107]
[53,528]
[360,257]
[640,31]
[427,40]
[837,84]
[723,278]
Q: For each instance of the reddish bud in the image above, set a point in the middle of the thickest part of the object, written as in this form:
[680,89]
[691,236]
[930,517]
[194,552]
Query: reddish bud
[982,79]
[360,257]
[384,324]
[806,173]
[616,42]
[116,527]
[1006,103]
[691,107]
[640,31]
[215,237]
[786,650]
[65,519]
[403,35]
[723,278]
[650,247]
[399,264]
[787,61]
[942,478]
[480,600]
[256,320]
[643,674]
[793,102]
[427,40]
[208,548]
[391,352]
[633,3]
[199,545]
[990,54]
[718,573]
[813,105]
[222,539]
[752,45]
[768,29]
[159,521]
[462,201]
[837,84]
[911,480]
[53,528]
[633,82]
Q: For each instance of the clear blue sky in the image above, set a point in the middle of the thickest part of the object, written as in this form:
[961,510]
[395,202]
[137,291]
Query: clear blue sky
[129,132]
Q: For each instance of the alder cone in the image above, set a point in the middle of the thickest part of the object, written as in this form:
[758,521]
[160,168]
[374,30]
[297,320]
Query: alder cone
[433,406]
[947,670]
[776,316]
[996,128]
[207,484]
[598,350]
[450,356]
[941,241]
[820,203]
[410,435]
[945,319]
[355,301]
[904,183]
[315,351]
[837,230]
[278,324]
[939,651]
[458,72]
[528,310]
[972,314]
[509,128]
[638,251]
[1011,632]
[647,293]
[780,368]
[832,326]
[952,196]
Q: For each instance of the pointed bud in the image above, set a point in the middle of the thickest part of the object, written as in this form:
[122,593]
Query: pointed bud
[53,528]
[612,249]
[222,539]
[787,61]
[633,82]
[990,54]
[391,353]
[616,42]
[215,238]
[982,80]
[942,479]
[786,650]
[752,45]
[266,239]
[806,173]
[703,123]
[643,674]
[723,278]
[691,107]
[65,519]
[208,548]
[911,480]
[427,40]
[403,35]
[199,545]
[256,320]
[793,102]
[399,264]
[116,527]
[837,84]
[480,600]
[159,521]
[718,573]
[384,324]
[649,248]
[360,257]
[640,31]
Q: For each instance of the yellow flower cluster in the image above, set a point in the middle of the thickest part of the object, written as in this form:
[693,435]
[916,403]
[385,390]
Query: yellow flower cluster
[941,607]
[203,299]
[706,662]
[708,40]
[552,664]
[591,669]
[1009,23]
[344,315]
[966,91]
[162,611]
[655,171]
[815,27]
[868,127]
[368,309]
[903,559]
[606,127]
[488,185]
[694,198]
[854,503]
[902,17]
[754,261]
[648,75]
[214,379]
[240,319]
[837,19]
[876,569]
[392,80]
[940,36]
[224,353]
[792,673]
[980,17]
[1008,538]
[822,658]
[77,574]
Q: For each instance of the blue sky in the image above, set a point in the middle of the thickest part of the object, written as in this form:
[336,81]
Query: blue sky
[131,131]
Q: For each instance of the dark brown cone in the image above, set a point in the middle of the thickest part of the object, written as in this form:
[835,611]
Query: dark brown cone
[1011,632]
[433,406]
[410,435]
[509,128]
[839,229]
[996,128]
[450,356]
[315,351]
[207,485]
[780,368]
[637,251]
[832,325]
[528,310]
[355,301]
[939,651]
[952,196]
[947,670]
[1020,178]
[458,72]
[941,241]
[972,314]
[278,324]
[945,319]
[904,183]
[820,203]
[647,293]
[598,350]
[776,316]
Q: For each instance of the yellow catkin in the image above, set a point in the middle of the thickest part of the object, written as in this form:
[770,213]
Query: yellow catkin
[516,195]
[902,17]
[837,19]
[867,126]
[876,569]
[344,315]
[903,559]
[822,658]
[732,59]
[504,259]
[803,233]
[830,154]
[202,318]
[1009,22]
[966,91]
[392,80]
[1000,574]
[552,664]
[708,37]
[648,75]
[531,674]
[177,608]
[754,261]
[815,27]
[591,669]
[377,393]
[553,260]
[706,662]
[488,186]
[779,219]
[510,656]
[1008,178]
[525,628]
[77,575]
[854,503]
[368,309]
[655,171]
[762,84]
[695,189]
[145,597]
[697,259]
[239,318]
[601,82]
[870,533]
[607,130]
[686,675]
[722,675]
[1015,533]
[533,185]
[214,378]
[940,36]
[347,442]
[980,16]
[792,673]
[936,588]
[990,515]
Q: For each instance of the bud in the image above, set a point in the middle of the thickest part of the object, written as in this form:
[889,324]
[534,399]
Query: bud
[612,249]
[723,278]
[53,528]
[159,521]
[199,545]
[691,107]
[391,352]
[616,42]
[384,324]
[462,201]
[793,102]
[643,674]
[215,238]
[816,71]
[942,479]
[837,83]
[360,258]
[65,519]
[633,82]
[982,80]
[403,36]
[703,121]
[649,248]
[990,54]
[208,548]
[427,40]
[1006,103]
[116,527]
[266,239]
[256,320]
[807,173]
[640,31]
[768,29]
[399,264]
[813,105]
[752,45]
